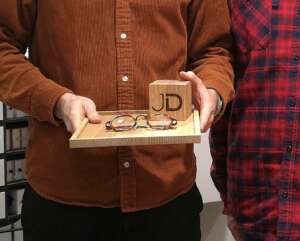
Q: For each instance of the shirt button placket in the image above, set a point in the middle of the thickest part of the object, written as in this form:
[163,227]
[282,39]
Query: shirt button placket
[125,97]
[288,161]
[125,78]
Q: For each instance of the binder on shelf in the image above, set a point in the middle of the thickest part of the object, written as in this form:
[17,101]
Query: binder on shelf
[16,139]
[10,171]
[1,140]
[20,114]
[2,172]
[24,137]
[19,200]
[11,203]
[13,140]
[10,112]
[1,111]
[14,199]
[8,139]
[2,205]
[19,170]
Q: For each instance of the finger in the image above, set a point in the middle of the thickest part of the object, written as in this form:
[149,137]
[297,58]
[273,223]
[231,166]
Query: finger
[197,101]
[198,88]
[191,76]
[91,113]
[68,126]
[75,123]
[210,122]
[76,115]
[206,125]
[205,117]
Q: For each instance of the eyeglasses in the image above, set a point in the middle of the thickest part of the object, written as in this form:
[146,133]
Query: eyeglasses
[127,122]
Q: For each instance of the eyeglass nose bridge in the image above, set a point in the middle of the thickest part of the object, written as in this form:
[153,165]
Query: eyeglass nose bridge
[138,124]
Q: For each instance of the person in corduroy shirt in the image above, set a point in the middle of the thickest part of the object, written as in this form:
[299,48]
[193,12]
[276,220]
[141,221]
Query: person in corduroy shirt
[87,55]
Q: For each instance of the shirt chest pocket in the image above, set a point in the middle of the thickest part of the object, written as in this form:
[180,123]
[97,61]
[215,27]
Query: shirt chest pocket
[251,23]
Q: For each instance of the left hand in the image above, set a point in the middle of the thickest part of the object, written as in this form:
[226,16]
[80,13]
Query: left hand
[205,100]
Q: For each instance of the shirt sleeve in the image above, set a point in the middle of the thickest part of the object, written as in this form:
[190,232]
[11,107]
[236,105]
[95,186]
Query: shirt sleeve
[22,85]
[209,44]
[218,147]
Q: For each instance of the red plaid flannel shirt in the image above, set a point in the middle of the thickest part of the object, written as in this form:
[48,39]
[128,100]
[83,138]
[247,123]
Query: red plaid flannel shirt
[256,145]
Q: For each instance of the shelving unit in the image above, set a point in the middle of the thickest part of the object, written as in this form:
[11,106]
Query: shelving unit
[13,141]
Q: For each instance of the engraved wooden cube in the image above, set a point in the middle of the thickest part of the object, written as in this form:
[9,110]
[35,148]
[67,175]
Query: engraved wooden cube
[173,97]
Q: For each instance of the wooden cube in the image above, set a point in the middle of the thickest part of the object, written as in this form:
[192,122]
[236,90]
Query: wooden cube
[173,97]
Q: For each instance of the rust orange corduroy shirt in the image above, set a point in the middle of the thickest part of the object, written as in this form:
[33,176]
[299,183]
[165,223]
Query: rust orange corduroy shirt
[108,51]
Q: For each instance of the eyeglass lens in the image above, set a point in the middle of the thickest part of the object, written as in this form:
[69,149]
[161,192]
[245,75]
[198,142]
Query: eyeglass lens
[127,122]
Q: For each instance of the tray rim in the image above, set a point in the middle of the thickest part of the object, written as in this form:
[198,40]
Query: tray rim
[195,137]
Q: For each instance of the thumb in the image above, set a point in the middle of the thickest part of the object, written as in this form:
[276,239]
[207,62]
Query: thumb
[91,113]
[191,76]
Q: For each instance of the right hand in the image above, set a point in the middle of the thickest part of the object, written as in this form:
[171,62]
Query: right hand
[72,109]
[204,99]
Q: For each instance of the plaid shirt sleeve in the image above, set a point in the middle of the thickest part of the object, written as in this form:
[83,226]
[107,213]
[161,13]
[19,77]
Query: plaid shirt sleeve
[218,148]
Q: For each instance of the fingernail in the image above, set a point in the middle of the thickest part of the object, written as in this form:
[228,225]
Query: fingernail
[96,118]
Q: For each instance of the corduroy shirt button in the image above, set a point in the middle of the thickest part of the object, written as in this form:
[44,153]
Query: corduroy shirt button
[123,36]
[125,78]
[126,164]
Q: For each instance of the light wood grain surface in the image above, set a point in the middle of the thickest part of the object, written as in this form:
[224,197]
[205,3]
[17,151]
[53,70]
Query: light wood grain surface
[165,95]
[96,135]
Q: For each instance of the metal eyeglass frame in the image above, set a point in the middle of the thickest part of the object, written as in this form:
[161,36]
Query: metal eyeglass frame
[109,126]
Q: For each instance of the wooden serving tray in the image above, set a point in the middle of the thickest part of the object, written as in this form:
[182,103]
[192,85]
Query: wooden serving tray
[96,135]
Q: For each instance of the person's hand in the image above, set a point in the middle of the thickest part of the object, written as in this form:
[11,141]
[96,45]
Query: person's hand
[205,100]
[72,109]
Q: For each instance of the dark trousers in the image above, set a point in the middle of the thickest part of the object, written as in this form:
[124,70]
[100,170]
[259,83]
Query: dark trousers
[45,220]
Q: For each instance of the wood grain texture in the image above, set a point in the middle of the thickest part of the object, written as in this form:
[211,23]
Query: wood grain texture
[96,135]
[173,97]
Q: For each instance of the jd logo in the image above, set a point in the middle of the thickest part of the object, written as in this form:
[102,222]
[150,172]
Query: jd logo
[166,99]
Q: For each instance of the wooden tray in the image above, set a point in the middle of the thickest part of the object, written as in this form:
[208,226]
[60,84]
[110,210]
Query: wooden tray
[96,135]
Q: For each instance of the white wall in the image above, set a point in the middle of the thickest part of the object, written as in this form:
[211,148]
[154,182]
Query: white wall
[204,182]
[213,222]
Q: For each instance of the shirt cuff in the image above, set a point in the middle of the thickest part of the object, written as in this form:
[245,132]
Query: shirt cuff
[226,93]
[44,99]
